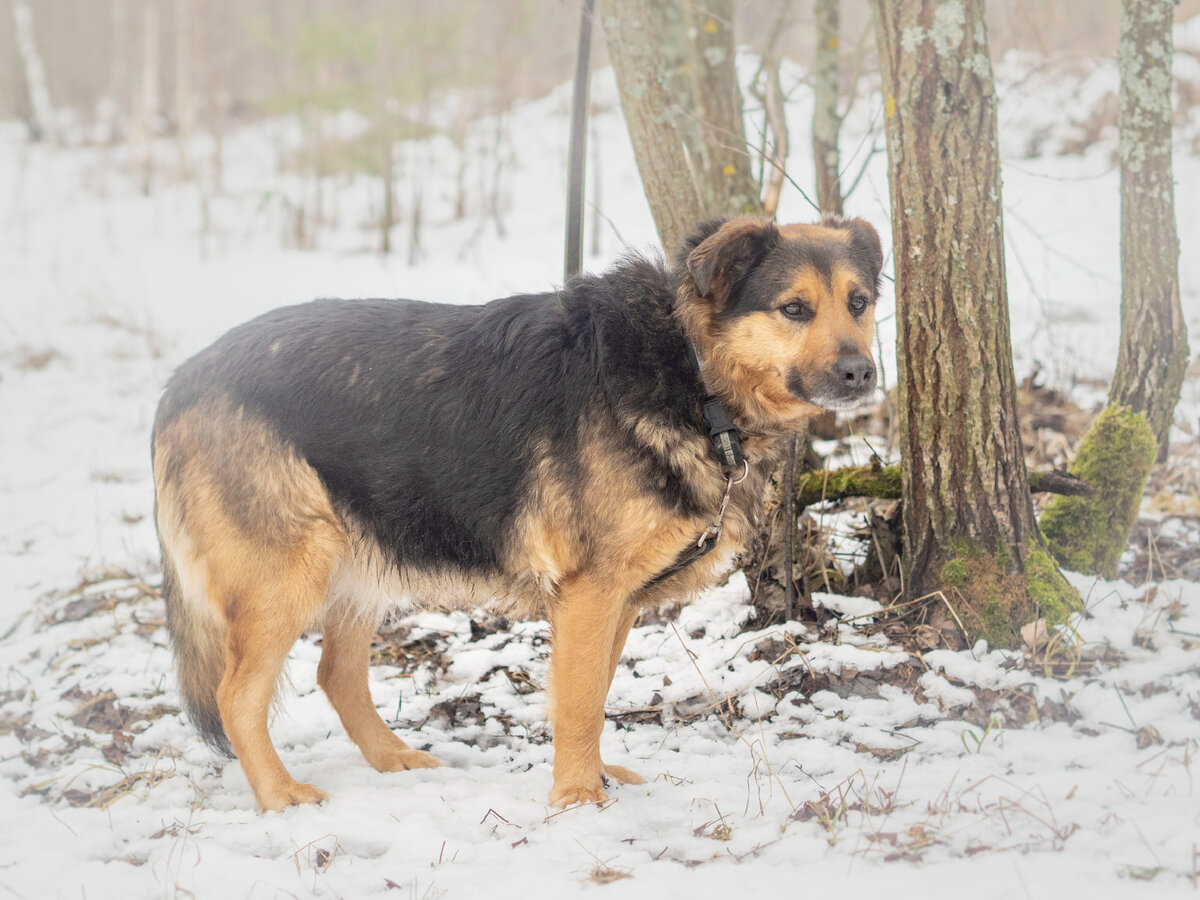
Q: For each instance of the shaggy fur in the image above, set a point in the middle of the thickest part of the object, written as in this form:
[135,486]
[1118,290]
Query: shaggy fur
[329,463]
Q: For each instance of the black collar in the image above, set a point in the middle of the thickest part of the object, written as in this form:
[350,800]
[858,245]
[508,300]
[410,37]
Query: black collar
[728,446]
[724,434]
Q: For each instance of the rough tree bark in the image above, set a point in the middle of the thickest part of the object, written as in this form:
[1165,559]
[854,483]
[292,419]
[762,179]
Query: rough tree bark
[968,519]
[674,62]
[715,101]
[1154,346]
[827,121]
[1118,452]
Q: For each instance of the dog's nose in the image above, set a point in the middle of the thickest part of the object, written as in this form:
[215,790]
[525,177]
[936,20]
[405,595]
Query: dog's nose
[855,373]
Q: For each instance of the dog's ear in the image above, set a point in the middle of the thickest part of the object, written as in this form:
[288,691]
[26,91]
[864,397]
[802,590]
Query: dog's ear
[866,251]
[722,258]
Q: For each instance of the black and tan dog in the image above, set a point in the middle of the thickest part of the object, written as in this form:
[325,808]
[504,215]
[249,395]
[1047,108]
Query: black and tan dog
[336,461]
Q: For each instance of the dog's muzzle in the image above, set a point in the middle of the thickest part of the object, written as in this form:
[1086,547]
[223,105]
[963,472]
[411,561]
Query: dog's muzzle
[849,384]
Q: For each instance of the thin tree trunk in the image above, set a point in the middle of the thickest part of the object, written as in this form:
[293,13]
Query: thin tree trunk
[118,75]
[1154,345]
[388,175]
[385,130]
[597,192]
[634,46]
[776,168]
[185,99]
[213,68]
[968,518]
[145,99]
[1118,452]
[827,122]
[42,122]
[674,62]
[715,101]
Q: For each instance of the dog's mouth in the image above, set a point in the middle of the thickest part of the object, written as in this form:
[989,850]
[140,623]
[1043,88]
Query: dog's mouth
[849,385]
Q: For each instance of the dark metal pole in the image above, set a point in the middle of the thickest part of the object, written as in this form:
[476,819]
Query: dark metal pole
[789,540]
[578,146]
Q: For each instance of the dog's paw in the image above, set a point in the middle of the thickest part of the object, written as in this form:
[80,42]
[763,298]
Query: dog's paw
[623,775]
[292,794]
[399,760]
[565,796]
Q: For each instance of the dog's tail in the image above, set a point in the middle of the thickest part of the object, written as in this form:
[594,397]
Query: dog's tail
[199,640]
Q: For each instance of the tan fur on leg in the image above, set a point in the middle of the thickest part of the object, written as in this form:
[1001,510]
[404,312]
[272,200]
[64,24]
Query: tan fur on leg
[584,625]
[255,654]
[342,674]
[628,617]
[269,594]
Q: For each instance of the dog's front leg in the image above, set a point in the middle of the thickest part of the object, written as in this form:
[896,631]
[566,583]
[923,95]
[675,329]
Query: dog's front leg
[584,622]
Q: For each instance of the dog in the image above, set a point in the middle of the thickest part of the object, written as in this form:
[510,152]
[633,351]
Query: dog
[579,454]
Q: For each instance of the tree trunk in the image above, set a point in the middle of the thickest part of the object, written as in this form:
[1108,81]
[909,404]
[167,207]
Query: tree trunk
[1154,346]
[827,122]
[1089,534]
[674,63]
[715,102]
[41,119]
[634,44]
[774,169]
[968,519]
[145,101]
[387,174]
[118,73]
[185,98]
[211,35]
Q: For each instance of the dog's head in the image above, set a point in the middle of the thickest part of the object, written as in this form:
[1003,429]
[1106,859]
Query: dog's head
[783,316]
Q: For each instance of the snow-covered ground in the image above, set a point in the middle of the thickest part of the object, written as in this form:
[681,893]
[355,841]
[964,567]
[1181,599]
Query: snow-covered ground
[775,761]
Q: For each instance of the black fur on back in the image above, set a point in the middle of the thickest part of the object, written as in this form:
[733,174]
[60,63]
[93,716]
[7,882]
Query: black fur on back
[422,419]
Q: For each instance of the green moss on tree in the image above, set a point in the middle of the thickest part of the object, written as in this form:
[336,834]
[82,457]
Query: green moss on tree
[954,573]
[994,604]
[883,483]
[1048,589]
[875,480]
[1088,534]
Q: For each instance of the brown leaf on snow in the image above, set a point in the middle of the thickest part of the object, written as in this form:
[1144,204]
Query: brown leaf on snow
[459,711]
[118,749]
[1052,711]
[38,760]
[99,712]
[627,718]
[769,650]
[76,797]
[1148,736]
[605,875]
[1035,633]
[1015,706]
[885,754]
[520,680]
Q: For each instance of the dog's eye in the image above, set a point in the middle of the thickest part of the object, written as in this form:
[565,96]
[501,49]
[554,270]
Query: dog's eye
[798,310]
[859,304]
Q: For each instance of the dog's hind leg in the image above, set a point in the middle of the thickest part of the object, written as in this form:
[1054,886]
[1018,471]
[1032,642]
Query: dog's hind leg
[342,674]
[255,654]
[267,612]
[628,616]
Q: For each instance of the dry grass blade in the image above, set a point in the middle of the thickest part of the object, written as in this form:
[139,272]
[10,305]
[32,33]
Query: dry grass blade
[755,754]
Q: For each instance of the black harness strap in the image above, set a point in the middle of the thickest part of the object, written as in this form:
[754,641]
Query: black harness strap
[685,559]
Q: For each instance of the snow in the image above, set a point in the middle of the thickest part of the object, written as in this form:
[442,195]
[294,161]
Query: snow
[988,774]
